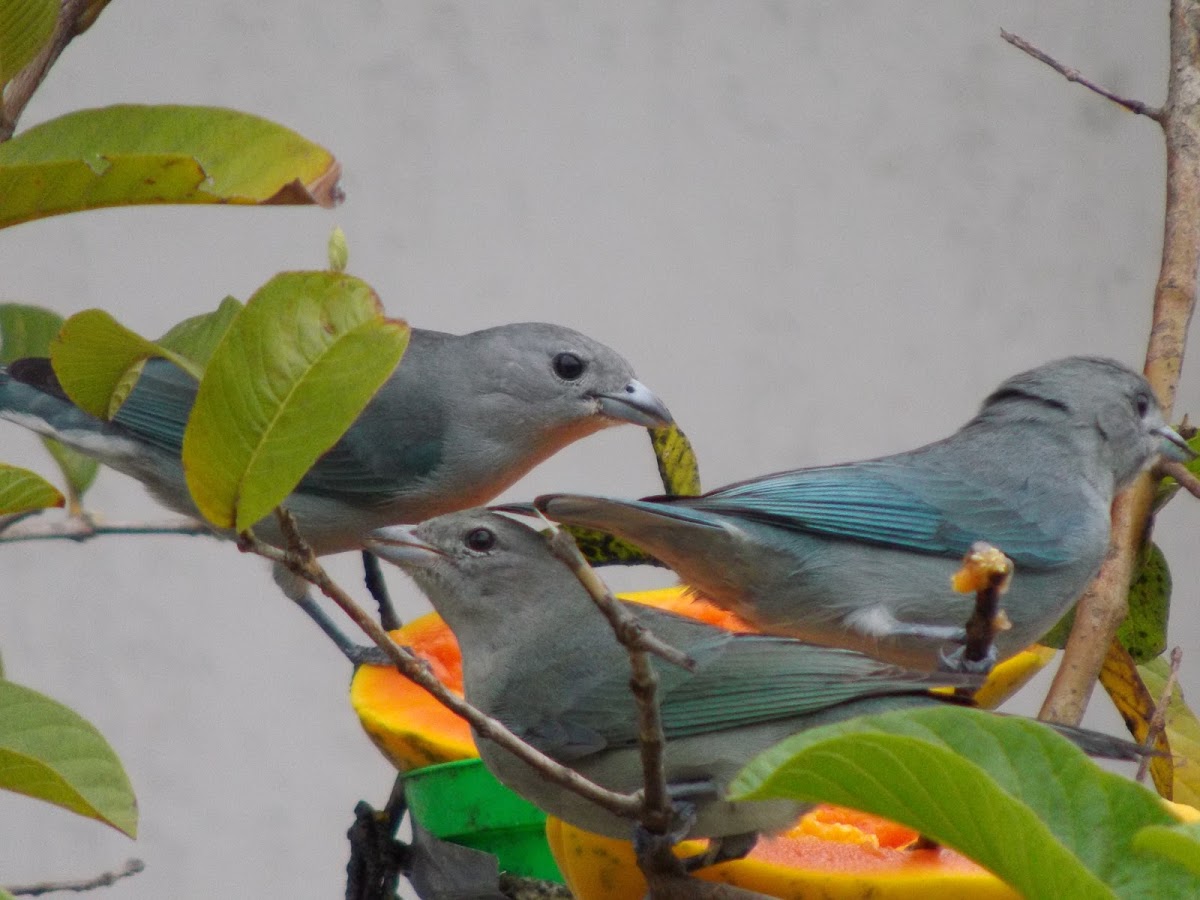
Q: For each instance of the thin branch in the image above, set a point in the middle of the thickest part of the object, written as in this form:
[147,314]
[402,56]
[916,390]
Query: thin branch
[107,879]
[657,810]
[630,630]
[72,20]
[1134,106]
[299,558]
[1104,605]
[377,586]
[1180,473]
[83,528]
[1158,721]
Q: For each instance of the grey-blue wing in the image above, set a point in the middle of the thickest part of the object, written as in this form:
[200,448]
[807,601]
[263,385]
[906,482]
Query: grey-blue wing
[890,503]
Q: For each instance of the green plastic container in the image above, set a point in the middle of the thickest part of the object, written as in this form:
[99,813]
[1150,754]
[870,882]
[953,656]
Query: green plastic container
[462,802]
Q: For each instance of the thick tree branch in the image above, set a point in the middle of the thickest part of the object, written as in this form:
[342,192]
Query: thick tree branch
[1104,605]
[299,559]
[74,16]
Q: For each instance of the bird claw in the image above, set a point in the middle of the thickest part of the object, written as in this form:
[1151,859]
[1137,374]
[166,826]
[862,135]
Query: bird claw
[957,662]
[649,846]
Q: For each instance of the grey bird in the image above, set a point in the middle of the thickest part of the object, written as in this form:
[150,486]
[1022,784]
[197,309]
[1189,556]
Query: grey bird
[538,656]
[460,419]
[860,555]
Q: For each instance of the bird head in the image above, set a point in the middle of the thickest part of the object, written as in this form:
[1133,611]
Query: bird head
[1104,403]
[574,381]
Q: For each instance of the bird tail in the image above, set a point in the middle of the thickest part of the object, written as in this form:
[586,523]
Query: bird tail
[624,517]
[1101,745]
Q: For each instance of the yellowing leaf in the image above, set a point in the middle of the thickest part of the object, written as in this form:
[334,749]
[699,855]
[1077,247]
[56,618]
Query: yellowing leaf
[121,155]
[1120,677]
[97,361]
[1183,733]
[290,376]
[677,464]
[23,491]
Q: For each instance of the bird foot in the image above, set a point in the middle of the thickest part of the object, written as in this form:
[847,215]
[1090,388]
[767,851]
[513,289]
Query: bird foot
[956,661]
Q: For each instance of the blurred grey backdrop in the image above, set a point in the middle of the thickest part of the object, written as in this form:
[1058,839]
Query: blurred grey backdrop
[821,231]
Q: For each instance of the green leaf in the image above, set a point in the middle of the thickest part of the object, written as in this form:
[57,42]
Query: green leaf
[26,331]
[98,361]
[1009,793]
[1183,733]
[5,895]
[602,549]
[23,491]
[1144,631]
[291,375]
[197,337]
[122,155]
[50,753]
[25,27]
[1180,843]
[78,470]
[338,251]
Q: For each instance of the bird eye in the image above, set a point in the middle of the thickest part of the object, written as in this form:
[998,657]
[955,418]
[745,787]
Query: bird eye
[568,366]
[480,539]
[1141,403]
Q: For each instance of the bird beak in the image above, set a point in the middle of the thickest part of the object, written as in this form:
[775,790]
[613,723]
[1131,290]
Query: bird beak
[397,544]
[636,404]
[1175,448]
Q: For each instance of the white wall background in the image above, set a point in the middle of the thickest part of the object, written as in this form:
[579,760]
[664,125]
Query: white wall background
[821,231]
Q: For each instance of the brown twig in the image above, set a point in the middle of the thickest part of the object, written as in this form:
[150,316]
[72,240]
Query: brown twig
[299,559]
[1158,721]
[72,20]
[1135,106]
[630,630]
[132,867]
[1180,473]
[657,811]
[1103,606]
[83,528]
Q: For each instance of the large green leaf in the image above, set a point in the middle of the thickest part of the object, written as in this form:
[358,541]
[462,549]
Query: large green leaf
[1183,733]
[22,491]
[50,753]
[290,376]
[25,27]
[1180,843]
[98,361]
[1009,793]
[121,155]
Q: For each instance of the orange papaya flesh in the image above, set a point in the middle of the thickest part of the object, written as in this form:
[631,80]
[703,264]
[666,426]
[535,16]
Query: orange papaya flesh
[832,853]
[413,730]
